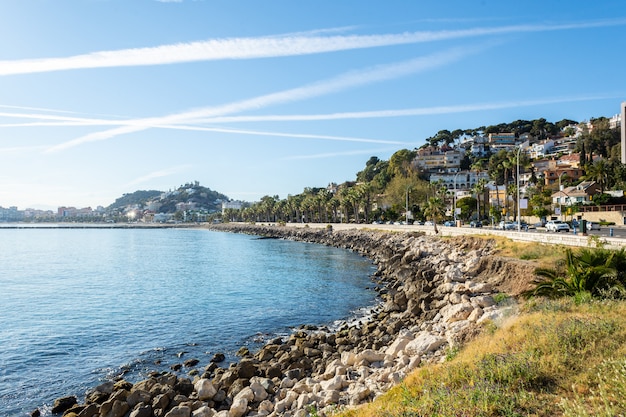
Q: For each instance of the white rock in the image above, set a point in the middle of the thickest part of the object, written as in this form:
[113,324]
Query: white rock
[239,407]
[475,315]
[288,383]
[246,393]
[358,392]
[180,411]
[306,399]
[456,312]
[203,411]
[484,301]
[414,363]
[266,407]
[303,386]
[205,389]
[399,344]
[348,358]
[329,397]
[424,343]
[369,356]
[259,393]
[480,287]
[336,383]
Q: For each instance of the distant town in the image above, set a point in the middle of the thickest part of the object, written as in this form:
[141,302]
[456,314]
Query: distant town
[523,168]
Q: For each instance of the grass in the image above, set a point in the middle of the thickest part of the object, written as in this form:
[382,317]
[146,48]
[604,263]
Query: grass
[558,358]
[543,254]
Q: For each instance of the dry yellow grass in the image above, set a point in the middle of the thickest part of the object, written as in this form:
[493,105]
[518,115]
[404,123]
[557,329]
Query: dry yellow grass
[556,359]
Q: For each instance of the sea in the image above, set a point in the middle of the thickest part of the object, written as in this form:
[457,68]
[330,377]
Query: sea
[82,306]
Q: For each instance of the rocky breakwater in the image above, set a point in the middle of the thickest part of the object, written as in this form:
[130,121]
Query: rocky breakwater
[435,295]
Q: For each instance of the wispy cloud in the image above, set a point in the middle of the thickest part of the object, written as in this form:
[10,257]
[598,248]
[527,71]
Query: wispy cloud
[342,82]
[264,47]
[339,154]
[65,121]
[284,135]
[420,111]
[159,174]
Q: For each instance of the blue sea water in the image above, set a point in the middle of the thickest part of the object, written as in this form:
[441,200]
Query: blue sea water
[79,306]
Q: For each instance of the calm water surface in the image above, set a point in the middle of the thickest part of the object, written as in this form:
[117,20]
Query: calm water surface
[78,306]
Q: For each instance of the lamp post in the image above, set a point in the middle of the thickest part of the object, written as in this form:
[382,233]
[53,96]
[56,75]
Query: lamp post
[519,219]
[560,196]
[454,198]
[406,212]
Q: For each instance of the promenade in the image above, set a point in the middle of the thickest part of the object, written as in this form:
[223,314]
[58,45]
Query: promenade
[567,239]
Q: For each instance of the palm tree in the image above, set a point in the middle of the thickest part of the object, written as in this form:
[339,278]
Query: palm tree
[599,172]
[435,210]
[593,271]
[478,189]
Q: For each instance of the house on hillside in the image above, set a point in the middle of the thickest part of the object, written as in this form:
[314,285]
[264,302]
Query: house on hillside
[579,194]
[433,159]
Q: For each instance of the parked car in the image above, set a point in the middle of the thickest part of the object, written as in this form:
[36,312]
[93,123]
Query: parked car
[557,226]
[593,226]
[507,225]
[476,223]
[449,223]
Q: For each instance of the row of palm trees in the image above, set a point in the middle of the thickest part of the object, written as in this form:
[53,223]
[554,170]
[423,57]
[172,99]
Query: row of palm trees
[355,202]
[349,202]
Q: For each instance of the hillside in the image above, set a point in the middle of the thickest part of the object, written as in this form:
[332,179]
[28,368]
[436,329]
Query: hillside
[192,195]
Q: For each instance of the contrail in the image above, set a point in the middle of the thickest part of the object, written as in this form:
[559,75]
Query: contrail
[342,82]
[266,47]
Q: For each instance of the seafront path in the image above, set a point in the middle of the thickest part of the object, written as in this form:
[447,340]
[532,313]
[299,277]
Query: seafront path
[567,239]
[618,240]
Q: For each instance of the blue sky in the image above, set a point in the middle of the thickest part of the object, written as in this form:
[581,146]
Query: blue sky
[104,97]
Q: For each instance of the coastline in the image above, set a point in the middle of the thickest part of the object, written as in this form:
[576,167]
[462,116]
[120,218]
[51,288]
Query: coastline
[436,295]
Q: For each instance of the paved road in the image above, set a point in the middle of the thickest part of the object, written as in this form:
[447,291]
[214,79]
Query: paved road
[617,231]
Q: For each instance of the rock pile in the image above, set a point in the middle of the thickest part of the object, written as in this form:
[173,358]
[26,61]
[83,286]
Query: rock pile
[431,301]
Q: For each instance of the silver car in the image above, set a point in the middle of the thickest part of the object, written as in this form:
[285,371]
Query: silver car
[557,226]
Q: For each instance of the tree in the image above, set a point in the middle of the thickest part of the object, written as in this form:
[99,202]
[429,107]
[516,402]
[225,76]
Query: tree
[435,210]
[467,206]
[479,189]
[401,162]
[598,172]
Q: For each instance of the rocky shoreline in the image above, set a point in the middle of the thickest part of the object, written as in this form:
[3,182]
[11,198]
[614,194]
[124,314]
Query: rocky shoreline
[436,294]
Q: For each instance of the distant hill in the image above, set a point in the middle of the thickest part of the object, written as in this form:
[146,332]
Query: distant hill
[137,198]
[193,194]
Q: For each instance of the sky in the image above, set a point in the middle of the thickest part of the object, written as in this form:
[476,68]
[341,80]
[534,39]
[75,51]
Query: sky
[99,98]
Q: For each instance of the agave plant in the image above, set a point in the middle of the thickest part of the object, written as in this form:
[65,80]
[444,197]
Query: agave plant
[593,271]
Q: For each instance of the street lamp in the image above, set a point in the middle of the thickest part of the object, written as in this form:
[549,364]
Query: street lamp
[406,212]
[454,198]
[519,219]
[560,195]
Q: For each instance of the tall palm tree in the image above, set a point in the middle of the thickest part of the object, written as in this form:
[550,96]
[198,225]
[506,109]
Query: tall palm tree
[479,189]
[599,172]
[435,210]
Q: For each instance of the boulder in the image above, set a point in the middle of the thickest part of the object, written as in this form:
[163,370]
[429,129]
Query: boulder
[114,408]
[239,407]
[179,411]
[205,389]
[424,343]
[63,404]
[455,312]
[142,410]
[203,411]
[138,396]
